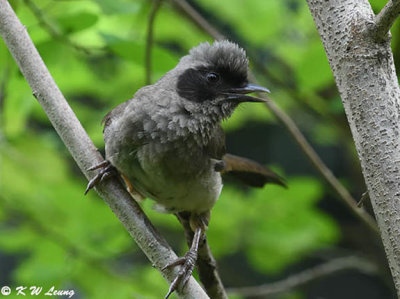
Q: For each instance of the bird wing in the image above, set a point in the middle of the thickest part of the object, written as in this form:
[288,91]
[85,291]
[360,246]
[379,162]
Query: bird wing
[118,125]
[245,170]
[114,112]
[216,146]
[250,172]
[123,135]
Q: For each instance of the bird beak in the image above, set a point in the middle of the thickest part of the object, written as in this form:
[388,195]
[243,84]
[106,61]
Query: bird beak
[240,94]
[249,88]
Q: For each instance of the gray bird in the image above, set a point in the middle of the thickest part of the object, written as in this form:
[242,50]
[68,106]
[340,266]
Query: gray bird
[168,145]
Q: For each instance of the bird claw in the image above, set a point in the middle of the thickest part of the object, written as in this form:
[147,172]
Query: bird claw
[106,171]
[103,164]
[188,261]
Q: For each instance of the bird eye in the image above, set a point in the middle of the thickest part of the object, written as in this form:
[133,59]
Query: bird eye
[212,77]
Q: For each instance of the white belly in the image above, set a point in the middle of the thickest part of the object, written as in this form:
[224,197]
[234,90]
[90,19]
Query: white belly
[197,195]
[193,195]
[175,184]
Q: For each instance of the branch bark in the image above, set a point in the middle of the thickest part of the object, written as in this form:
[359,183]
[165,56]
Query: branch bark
[385,19]
[364,71]
[83,150]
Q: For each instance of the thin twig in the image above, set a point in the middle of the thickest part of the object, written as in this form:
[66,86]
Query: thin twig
[53,31]
[290,125]
[83,150]
[206,264]
[319,165]
[197,19]
[296,280]
[385,19]
[364,197]
[149,41]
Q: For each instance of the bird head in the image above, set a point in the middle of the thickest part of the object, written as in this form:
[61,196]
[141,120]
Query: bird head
[216,76]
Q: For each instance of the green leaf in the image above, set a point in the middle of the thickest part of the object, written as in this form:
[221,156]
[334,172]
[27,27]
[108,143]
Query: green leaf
[47,264]
[16,239]
[289,227]
[273,226]
[18,105]
[77,22]
[119,6]
[313,71]
[135,51]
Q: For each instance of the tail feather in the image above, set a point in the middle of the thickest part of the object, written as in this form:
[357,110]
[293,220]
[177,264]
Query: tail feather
[250,172]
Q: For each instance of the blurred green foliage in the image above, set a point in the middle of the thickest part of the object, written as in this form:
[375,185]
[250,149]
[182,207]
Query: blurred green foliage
[95,51]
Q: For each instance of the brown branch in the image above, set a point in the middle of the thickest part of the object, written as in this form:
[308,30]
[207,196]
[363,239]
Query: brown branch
[83,150]
[294,131]
[385,19]
[306,276]
[206,264]
[197,19]
[149,41]
[321,167]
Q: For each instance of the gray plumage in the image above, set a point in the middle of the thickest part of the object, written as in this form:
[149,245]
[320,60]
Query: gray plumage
[167,140]
[168,144]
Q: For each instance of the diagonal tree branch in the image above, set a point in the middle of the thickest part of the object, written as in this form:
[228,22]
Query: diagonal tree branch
[290,125]
[321,167]
[306,276]
[385,19]
[83,150]
[197,19]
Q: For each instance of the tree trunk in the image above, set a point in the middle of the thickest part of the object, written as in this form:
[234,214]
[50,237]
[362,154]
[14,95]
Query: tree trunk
[362,64]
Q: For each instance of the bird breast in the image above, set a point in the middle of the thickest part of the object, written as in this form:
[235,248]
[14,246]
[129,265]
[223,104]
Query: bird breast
[161,150]
[179,179]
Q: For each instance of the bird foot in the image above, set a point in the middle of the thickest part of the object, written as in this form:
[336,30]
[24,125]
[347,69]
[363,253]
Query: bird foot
[106,171]
[187,262]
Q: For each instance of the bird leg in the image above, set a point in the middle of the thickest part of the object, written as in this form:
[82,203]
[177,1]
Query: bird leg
[107,170]
[198,224]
